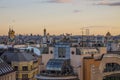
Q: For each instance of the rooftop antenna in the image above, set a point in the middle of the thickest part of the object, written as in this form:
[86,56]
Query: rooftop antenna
[9,27]
[82,35]
[87,35]
[87,32]
[44,31]
[12,27]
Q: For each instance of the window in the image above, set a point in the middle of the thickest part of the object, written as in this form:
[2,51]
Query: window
[25,68]
[16,75]
[31,67]
[61,52]
[110,67]
[15,68]
[25,77]
[5,57]
[35,61]
[112,77]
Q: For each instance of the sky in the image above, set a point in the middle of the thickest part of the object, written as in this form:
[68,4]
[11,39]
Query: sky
[60,16]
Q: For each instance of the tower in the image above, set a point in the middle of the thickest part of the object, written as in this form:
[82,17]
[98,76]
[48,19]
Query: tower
[44,38]
[44,32]
[11,36]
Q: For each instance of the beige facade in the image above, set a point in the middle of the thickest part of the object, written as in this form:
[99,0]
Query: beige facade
[6,71]
[76,59]
[96,68]
[91,68]
[8,76]
[109,58]
[29,72]
[25,64]
[46,57]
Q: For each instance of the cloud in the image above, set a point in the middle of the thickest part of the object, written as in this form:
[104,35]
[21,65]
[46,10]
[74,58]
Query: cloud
[59,1]
[109,3]
[76,11]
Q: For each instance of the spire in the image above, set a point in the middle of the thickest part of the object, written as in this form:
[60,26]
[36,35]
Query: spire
[9,28]
[11,36]
[9,31]
[44,32]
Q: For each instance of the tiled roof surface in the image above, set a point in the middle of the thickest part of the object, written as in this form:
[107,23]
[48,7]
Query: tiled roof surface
[5,68]
[17,56]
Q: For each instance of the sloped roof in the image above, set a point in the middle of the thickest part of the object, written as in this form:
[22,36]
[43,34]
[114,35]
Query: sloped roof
[55,64]
[5,68]
[17,56]
[36,50]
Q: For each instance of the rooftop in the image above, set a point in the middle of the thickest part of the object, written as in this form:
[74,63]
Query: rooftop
[5,68]
[17,56]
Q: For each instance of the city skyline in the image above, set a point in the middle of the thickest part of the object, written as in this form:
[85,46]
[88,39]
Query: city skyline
[60,16]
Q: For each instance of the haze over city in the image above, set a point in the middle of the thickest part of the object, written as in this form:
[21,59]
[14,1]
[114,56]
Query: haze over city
[59,39]
[60,16]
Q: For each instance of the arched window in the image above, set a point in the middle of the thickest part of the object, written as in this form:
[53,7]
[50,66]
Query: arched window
[110,67]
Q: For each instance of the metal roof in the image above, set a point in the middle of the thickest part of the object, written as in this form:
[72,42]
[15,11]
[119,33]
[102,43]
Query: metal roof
[5,68]
[55,64]
[17,56]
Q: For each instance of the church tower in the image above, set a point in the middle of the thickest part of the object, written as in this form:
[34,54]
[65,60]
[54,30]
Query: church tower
[44,38]
[11,36]
[44,32]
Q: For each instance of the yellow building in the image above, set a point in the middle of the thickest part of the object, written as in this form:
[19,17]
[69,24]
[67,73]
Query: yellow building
[11,36]
[90,67]
[11,33]
[25,64]
[6,71]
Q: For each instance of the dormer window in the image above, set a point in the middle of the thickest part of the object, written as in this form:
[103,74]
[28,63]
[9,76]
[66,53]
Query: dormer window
[5,57]
[61,52]
[15,68]
[25,68]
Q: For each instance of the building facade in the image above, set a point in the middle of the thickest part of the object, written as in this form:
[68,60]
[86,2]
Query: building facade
[60,53]
[24,63]
[6,71]
[104,67]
